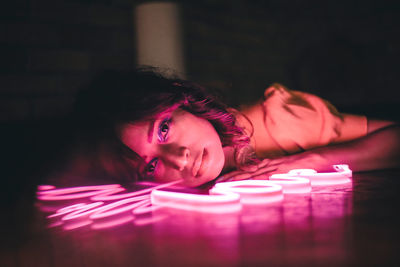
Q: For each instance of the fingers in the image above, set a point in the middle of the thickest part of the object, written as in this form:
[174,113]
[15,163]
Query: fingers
[245,176]
[249,168]
[264,172]
[233,176]
[241,176]
[270,162]
[263,176]
[265,168]
[263,163]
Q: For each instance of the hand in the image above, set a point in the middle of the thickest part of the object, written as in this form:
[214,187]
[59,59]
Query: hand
[267,167]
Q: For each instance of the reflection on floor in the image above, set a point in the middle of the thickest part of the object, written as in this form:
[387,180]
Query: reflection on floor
[349,224]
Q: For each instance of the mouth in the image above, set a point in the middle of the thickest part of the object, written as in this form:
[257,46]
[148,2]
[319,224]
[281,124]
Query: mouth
[198,168]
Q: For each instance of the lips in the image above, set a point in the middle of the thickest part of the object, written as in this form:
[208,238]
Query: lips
[198,167]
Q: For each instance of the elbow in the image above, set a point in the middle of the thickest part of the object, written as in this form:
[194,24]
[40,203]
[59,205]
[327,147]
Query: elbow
[374,125]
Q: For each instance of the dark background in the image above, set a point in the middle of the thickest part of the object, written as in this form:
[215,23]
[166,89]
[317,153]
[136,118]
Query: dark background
[344,51]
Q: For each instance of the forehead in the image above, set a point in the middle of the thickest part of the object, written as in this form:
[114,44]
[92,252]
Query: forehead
[135,136]
[139,129]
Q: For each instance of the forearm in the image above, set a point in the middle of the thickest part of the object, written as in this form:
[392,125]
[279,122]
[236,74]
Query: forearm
[377,150]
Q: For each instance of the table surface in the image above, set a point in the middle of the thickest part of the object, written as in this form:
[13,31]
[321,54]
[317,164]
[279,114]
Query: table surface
[351,224]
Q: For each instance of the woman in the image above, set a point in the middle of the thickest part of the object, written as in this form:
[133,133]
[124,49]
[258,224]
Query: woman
[164,129]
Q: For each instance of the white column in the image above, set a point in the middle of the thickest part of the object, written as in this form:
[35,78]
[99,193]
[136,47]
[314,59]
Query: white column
[158,36]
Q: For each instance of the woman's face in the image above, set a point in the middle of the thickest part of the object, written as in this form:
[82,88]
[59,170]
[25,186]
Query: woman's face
[176,145]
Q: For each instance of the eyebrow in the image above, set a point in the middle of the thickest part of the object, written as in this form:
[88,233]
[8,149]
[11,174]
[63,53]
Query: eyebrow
[150,131]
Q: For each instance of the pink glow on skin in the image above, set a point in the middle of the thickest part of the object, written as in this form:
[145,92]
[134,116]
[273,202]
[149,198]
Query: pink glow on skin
[225,197]
[177,145]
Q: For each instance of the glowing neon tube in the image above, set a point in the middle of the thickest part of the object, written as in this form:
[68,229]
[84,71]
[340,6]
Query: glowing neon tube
[71,193]
[118,207]
[76,208]
[82,212]
[221,202]
[251,191]
[341,176]
[145,209]
[290,184]
[224,197]
[109,195]
[110,207]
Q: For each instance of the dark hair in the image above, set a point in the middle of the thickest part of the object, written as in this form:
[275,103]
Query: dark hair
[115,98]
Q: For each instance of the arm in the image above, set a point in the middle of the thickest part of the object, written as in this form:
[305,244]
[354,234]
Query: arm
[379,149]
[298,121]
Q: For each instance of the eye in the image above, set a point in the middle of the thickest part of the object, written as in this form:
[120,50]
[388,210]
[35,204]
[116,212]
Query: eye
[151,167]
[163,129]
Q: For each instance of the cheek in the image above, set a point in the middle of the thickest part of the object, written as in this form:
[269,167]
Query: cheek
[166,174]
[218,161]
[217,157]
[169,175]
[205,134]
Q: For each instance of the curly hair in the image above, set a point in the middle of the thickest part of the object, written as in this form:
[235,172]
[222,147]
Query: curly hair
[115,98]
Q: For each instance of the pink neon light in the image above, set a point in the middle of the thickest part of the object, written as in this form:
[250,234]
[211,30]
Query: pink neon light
[74,208]
[220,202]
[146,208]
[55,224]
[77,192]
[108,195]
[46,187]
[82,212]
[251,191]
[119,207]
[341,176]
[76,225]
[144,214]
[111,208]
[291,185]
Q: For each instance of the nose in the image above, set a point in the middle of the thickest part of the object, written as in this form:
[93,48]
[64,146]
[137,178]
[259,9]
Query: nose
[177,156]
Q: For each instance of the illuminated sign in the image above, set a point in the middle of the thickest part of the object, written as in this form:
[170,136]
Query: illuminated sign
[105,206]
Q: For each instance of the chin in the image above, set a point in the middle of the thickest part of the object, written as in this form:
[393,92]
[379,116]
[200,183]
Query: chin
[194,182]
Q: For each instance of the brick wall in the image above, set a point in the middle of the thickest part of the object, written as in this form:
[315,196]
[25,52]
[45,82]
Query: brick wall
[49,49]
[345,51]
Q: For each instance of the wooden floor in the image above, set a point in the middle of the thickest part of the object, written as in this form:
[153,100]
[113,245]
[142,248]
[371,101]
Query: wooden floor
[355,224]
